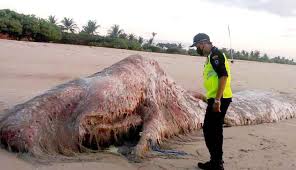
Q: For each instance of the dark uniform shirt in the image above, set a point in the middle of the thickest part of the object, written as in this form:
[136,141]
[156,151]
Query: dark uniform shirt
[218,62]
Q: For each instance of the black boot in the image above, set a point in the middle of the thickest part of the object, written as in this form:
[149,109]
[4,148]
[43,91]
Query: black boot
[211,165]
[217,165]
[205,166]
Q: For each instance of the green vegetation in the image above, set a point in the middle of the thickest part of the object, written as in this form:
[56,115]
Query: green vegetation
[68,25]
[52,19]
[256,56]
[31,28]
[27,27]
[91,27]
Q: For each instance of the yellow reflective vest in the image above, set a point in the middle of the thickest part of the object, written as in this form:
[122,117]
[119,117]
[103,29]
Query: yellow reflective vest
[211,80]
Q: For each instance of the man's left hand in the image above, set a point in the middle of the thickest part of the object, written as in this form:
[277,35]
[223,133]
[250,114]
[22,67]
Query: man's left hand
[216,107]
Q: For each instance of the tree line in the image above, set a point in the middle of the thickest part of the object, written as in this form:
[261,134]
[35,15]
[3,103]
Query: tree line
[257,56]
[31,28]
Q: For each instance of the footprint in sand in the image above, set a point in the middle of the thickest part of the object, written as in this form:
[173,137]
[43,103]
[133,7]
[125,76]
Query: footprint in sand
[251,134]
[246,150]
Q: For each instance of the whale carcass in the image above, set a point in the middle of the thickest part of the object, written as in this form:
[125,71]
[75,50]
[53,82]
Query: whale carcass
[133,98]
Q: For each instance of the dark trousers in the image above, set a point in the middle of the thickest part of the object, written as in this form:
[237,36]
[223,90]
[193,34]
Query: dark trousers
[213,129]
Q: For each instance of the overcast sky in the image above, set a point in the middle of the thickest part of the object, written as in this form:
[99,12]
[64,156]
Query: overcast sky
[265,25]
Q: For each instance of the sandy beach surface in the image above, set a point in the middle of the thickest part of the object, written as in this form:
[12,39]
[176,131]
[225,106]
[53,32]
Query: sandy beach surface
[28,69]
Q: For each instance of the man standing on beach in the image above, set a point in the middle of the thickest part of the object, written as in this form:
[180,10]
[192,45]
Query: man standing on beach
[217,79]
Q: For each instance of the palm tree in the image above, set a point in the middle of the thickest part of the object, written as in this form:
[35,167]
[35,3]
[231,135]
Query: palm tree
[141,40]
[151,39]
[123,35]
[68,25]
[91,27]
[131,37]
[115,31]
[153,34]
[180,45]
[52,19]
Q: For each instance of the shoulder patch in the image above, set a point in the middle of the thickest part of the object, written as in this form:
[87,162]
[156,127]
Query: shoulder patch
[216,62]
[215,57]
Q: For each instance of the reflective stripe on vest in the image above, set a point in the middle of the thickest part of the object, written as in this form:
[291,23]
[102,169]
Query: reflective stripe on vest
[211,80]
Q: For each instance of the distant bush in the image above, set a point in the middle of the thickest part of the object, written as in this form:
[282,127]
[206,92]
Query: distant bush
[118,43]
[172,48]
[47,32]
[176,51]
[80,39]
[11,27]
[152,48]
[192,52]
[134,45]
[10,23]
[27,26]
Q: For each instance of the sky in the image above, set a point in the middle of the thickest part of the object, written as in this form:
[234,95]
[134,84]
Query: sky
[265,25]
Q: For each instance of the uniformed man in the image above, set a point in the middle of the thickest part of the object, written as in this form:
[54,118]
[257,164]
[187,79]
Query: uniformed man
[217,80]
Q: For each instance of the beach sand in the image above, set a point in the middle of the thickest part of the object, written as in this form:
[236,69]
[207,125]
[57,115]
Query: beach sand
[28,69]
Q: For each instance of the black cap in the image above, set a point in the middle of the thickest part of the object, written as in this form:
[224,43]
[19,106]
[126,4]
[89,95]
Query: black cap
[200,37]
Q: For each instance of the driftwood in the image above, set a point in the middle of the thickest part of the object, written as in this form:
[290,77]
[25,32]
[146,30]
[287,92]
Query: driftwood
[132,99]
